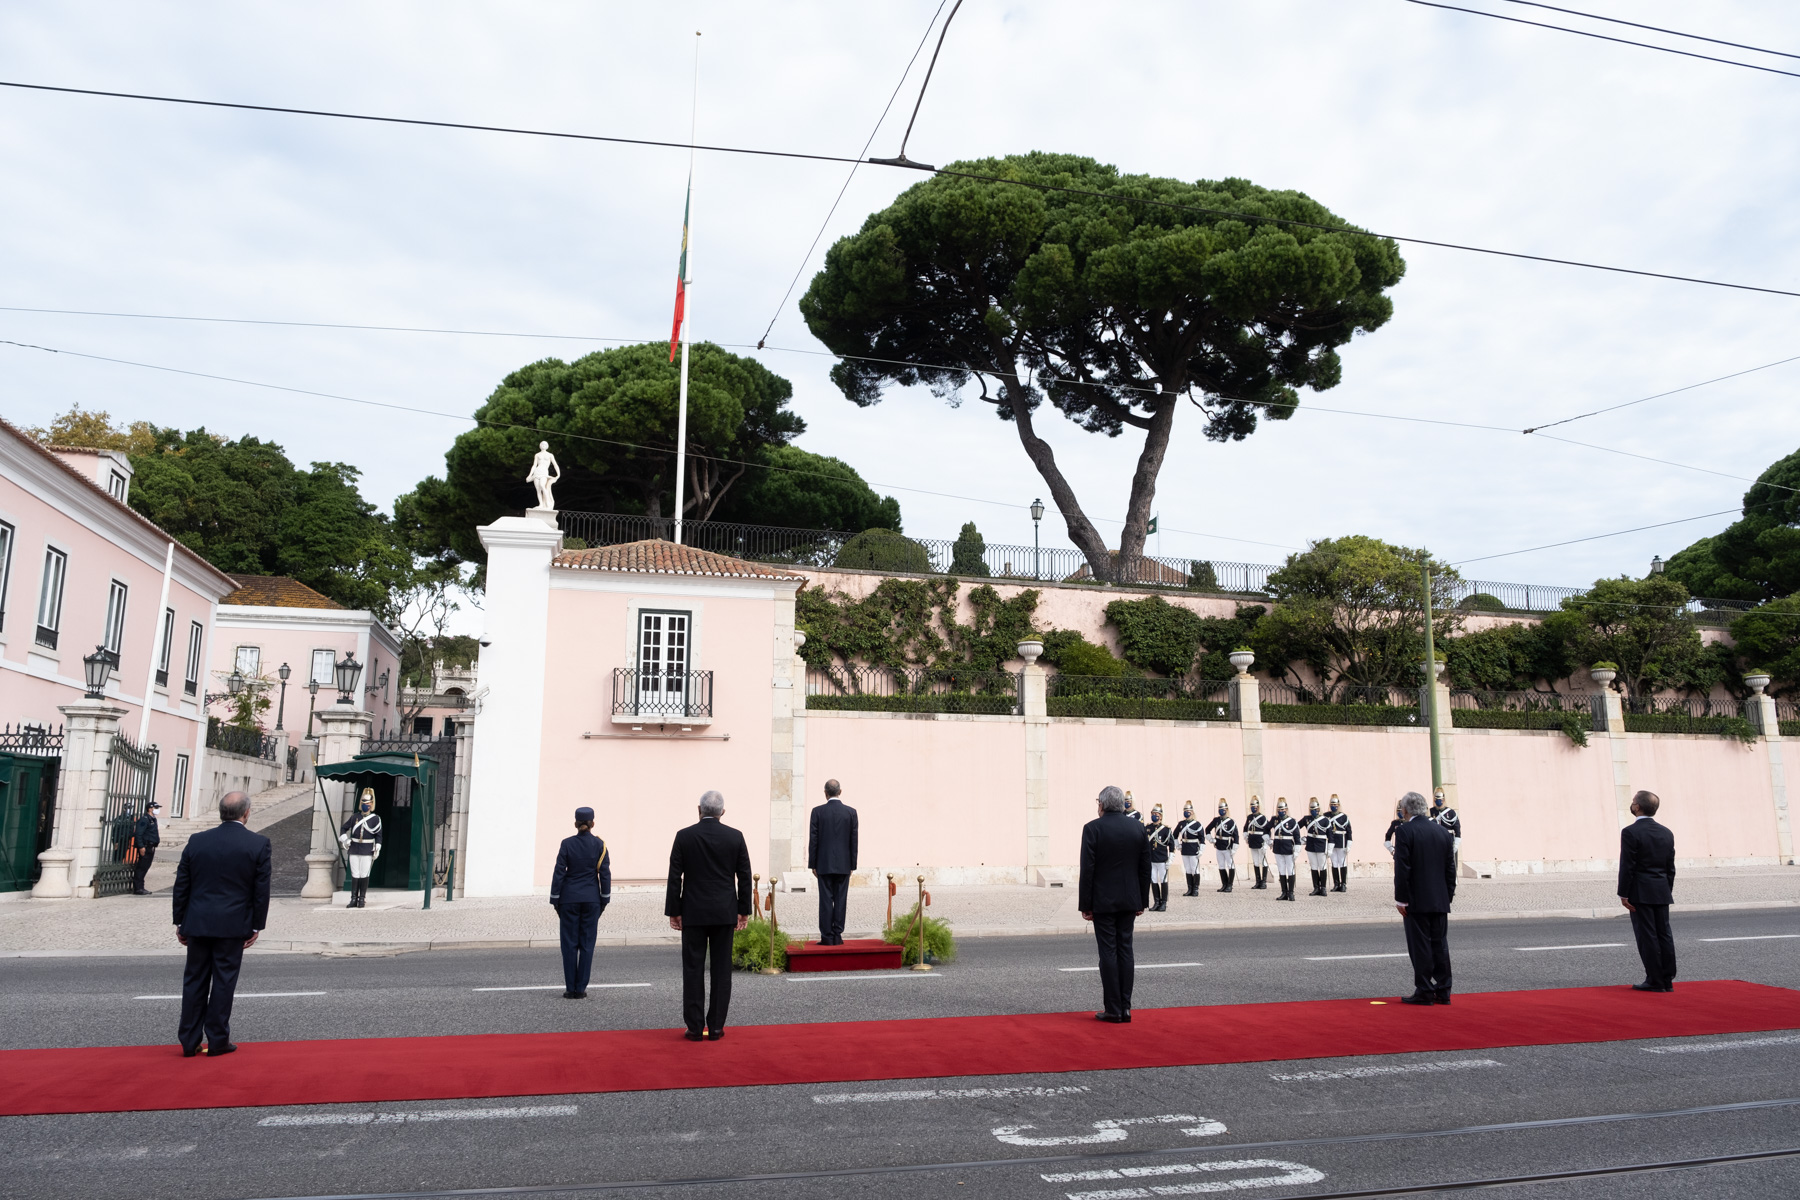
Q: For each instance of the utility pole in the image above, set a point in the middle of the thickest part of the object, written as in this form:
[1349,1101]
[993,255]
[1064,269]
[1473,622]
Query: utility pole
[1430,695]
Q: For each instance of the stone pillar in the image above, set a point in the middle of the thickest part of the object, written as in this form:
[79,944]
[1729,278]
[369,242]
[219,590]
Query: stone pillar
[74,853]
[342,731]
[502,837]
[1761,711]
[786,784]
[1444,730]
[1034,705]
[459,797]
[1609,721]
[1246,710]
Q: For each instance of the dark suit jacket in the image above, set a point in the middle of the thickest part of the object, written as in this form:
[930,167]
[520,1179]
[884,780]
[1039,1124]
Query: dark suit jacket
[1647,862]
[831,844]
[1115,865]
[222,884]
[583,871]
[1424,866]
[709,875]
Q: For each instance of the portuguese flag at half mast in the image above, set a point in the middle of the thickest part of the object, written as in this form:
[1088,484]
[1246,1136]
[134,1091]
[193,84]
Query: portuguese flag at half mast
[681,273]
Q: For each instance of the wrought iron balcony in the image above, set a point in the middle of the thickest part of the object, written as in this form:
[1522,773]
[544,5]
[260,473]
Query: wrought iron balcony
[663,696]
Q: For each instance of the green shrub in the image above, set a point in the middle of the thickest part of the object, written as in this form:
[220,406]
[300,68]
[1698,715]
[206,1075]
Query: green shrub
[1481,602]
[1203,578]
[570,543]
[945,702]
[1156,635]
[1149,708]
[967,555]
[904,932]
[1073,654]
[884,550]
[1341,714]
[750,947]
[1735,727]
[1574,725]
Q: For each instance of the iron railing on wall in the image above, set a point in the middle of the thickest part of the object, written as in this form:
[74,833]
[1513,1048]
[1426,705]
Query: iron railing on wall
[662,695]
[130,783]
[912,689]
[1286,704]
[234,739]
[40,741]
[1137,698]
[1674,714]
[1474,709]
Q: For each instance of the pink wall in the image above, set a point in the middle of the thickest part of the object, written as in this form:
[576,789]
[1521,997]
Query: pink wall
[1533,796]
[290,635]
[1716,795]
[1158,764]
[643,790]
[927,792]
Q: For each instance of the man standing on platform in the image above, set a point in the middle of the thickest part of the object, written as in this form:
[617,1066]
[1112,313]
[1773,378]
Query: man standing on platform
[1424,886]
[707,900]
[1647,888]
[580,890]
[1114,891]
[831,854]
[221,905]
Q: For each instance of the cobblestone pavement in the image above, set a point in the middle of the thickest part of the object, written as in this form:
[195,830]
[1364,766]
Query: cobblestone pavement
[395,921]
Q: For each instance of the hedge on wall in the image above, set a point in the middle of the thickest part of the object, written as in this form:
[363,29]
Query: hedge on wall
[884,550]
[1339,714]
[1156,635]
[946,702]
[1573,724]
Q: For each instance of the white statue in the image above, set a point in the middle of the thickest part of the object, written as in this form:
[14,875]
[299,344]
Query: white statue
[543,463]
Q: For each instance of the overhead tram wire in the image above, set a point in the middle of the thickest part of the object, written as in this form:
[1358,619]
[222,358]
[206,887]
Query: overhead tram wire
[1575,12]
[1658,396]
[580,437]
[1114,197]
[1730,62]
[826,223]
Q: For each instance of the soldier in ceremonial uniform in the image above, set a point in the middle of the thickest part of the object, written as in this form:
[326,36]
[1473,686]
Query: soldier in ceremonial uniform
[361,839]
[1190,834]
[1224,833]
[1284,830]
[1162,839]
[1314,826]
[1394,825]
[1338,834]
[1256,826]
[1445,816]
[1131,809]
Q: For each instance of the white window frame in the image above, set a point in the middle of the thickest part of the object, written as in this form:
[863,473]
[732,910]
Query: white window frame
[50,595]
[178,791]
[328,677]
[8,535]
[190,682]
[118,596]
[117,486]
[255,659]
[664,661]
[168,648]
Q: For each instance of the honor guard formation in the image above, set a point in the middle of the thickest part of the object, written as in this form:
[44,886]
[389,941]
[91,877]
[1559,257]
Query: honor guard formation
[1273,840]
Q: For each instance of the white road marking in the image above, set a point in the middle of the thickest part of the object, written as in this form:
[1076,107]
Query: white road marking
[977,1093]
[288,1121]
[556,987]
[1109,1131]
[1703,1047]
[1293,1173]
[1582,946]
[1140,966]
[855,976]
[1398,1069]
[240,995]
[1760,937]
[1347,957]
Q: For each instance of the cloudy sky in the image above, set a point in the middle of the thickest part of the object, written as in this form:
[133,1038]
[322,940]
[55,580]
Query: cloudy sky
[1405,119]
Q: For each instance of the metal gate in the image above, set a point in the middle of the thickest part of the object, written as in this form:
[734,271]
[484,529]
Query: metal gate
[131,781]
[30,757]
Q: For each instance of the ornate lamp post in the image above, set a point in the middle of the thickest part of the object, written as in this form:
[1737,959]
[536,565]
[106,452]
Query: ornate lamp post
[347,671]
[1037,515]
[312,691]
[234,686]
[281,712]
[99,668]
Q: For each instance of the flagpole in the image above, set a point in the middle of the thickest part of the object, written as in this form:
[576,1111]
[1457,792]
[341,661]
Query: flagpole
[686,312]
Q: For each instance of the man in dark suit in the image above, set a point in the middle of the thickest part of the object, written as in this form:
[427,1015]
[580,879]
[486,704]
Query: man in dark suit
[1424,886]
[831,854]
[221,905]
[708,900]
[580,890]
[1115,888]
[1647,888]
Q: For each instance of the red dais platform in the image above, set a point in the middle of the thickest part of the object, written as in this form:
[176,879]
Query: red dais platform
[857,954]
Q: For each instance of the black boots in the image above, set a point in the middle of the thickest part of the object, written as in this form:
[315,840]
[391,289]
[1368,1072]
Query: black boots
[1340,879]
[1225,878]
[359,892]
[1161,891]
[1262,879]
[1288,883]
[1318,878]
[1193,885]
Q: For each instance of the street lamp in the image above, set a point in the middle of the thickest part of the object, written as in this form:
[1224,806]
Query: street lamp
[348,671]
[1656,565]
[1037,515]
[99,667]
[281,712]
[312,690]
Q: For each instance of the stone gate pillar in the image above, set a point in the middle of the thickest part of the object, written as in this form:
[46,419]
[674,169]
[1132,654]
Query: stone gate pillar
[74,853]
[1034,706]
[342,731]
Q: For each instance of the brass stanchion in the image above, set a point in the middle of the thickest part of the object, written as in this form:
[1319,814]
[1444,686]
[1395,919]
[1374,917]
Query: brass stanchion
[921,965]
[891,890]
[756,895]
[771,969]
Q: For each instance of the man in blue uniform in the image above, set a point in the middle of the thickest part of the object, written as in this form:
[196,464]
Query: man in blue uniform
[1190,834]
[580,890]
[1283,832]
[1256,828]
[1318,858]
[1162,839]
[1338,834]
[1224,834]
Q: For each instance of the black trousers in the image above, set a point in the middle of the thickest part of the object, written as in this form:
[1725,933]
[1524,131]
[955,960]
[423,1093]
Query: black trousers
[207,987]
[580,926]
[1655,941]
[1428,945]
[834,899]
[696,941]
[141,868]
[1112,934]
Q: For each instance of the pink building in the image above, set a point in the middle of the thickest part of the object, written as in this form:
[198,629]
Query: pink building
[79,571]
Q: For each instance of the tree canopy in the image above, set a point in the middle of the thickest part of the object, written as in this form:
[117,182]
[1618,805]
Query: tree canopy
[1107,300]
[1757,557]
[1644,626]
[611,420]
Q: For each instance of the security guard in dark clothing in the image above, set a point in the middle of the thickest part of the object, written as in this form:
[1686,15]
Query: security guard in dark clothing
[1256,827]
[1284,830]
[1314,826]
[580,890]
[1190,833]
[145,838]
[1162,840]
[1338,834]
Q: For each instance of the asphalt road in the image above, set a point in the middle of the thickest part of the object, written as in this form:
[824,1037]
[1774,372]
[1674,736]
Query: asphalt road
[1303,1128]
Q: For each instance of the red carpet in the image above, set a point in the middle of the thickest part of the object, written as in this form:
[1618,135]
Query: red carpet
[137,1078]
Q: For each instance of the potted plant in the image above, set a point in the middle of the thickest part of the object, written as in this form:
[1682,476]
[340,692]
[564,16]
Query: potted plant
[1756,680]
[1031,649]
[1241,658]
[1603,673]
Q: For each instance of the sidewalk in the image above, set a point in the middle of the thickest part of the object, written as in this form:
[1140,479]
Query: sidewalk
[395,923]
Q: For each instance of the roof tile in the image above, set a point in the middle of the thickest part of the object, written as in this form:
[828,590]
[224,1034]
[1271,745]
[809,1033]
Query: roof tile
[276,591]
[657,557]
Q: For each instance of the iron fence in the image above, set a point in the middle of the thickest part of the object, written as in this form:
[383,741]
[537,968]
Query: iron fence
[235,739]
[441,750]
[1287,704]
[1483,701]
[40,741]
[1135,698]
[1675,714]
[130,783]
[912,689]
[662,695]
